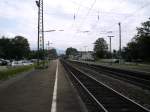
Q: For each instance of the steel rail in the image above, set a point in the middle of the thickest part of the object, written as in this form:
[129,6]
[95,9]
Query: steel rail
[88,92]
[136,78]
[127,105]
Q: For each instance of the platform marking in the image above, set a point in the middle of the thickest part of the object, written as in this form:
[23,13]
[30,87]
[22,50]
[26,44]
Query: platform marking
[54,101]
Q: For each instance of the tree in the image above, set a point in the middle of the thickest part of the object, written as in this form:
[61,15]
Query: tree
[131,52]
[33,55]
[115,54]
[21,47]
[100,48]
[15,48]
[4,47]
[143,40]
[139,47]
[52,53]
[71,51]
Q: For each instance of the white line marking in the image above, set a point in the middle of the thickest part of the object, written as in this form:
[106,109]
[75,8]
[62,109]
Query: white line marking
[53,108]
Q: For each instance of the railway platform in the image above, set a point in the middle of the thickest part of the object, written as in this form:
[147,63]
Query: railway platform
[47,90]
[68,99]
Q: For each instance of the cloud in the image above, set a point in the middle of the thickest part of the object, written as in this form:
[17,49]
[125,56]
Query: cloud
[19,17]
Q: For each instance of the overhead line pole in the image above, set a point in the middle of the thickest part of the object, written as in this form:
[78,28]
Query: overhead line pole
[119,42]
[39,4]
[42,25]
[110,42]
[110,45]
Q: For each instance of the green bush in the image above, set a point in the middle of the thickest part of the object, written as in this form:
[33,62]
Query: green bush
[42,65]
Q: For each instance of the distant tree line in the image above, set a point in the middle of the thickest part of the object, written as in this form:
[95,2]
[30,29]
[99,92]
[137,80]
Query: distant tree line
[71,51]
[51,54]
[100,49]
[18,48]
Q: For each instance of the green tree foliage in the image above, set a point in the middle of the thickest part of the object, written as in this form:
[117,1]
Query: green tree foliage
[52,53]
[131,51]
[100,48]
[115,54]
[21,47]
[15,48]
[33,55]
[71,51]
[5,43]
[139,47]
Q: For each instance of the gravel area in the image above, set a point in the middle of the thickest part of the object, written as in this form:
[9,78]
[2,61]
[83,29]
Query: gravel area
[133,92]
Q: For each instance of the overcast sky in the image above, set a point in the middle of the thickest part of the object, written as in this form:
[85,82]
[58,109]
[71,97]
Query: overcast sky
[19,17]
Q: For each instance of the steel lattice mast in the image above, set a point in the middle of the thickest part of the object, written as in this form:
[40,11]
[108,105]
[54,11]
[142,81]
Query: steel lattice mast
[40,28]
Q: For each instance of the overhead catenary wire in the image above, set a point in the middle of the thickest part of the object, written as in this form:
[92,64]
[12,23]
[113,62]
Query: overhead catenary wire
[127,16]
[89,10]
[132,14]
[83,20]
[125,19]
[75,15]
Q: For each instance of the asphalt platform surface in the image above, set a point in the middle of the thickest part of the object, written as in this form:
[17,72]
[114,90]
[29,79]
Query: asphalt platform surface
[33,92]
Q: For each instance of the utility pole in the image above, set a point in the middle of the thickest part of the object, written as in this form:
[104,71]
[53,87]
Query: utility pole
[47,51]
[85,48]
[110,45]
[110,42]
[119,42]
[47,46]
[80,53]
[85,52]
[39,4]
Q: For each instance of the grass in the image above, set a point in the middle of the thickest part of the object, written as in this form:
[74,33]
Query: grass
[2,68]
[6,74]
[42,65]
[11,72]
[129,66]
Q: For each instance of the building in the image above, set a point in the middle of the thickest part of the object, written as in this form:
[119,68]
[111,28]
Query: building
[87,56]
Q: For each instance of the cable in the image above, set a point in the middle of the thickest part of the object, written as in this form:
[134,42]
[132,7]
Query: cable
[75,15]
[83,20]
[132,14]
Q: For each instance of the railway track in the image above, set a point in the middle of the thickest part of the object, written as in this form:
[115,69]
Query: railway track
[97,96]
[137,78]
